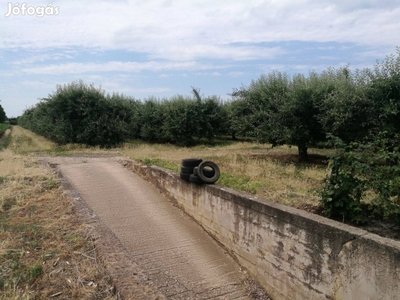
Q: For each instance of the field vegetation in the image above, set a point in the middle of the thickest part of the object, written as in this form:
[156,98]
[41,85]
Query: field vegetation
[273,173]
[356,114]
[3,116]
[3,128]
[45,251]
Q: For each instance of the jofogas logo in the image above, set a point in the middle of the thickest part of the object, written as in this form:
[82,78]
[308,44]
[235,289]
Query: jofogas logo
[16,9]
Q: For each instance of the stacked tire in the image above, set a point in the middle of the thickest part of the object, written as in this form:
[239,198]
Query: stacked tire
[195,170]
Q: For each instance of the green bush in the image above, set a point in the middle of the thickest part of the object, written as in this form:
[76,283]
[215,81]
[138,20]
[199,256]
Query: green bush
[180,122]
[365,171]
[3,128]
[80,113]
[3,116]
[280,109]
[181,119]
[151,120]
[364,182]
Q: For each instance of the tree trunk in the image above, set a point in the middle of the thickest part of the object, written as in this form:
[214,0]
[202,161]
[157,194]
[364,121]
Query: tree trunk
[303,155]
[234,136]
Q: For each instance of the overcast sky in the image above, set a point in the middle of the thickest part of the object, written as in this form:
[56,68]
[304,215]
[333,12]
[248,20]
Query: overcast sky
[144,48]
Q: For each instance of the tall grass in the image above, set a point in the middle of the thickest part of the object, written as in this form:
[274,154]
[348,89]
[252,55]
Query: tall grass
[3,127]
[271,173]
[25,141]
[253,168]
[5,136]
[44,249]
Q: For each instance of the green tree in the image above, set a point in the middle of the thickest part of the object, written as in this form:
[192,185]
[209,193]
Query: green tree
[151,118]
[346,111]
[363,103]
[179,123]
[81,113]
[265,97]
[384,92]
[239,118]
[211,116]
[283,110]
[364,182]
[3,116]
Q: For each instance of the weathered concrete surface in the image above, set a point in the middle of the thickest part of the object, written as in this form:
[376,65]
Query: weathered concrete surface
[164,252]
[293,254]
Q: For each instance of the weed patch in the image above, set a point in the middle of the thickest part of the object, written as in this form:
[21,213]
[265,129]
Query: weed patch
[5,139]
[44,250]
[8,203]
[241,183]
[249,167]
[161,163]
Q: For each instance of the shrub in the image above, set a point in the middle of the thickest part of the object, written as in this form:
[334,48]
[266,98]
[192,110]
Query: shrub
[3,116]
[364,182]
[81,113]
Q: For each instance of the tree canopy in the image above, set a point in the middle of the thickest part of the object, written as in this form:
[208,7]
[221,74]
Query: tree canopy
[3,116]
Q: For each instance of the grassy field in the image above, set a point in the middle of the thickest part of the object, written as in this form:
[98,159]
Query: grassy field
[44,250]
[273,174]
[4,135]
[3,127]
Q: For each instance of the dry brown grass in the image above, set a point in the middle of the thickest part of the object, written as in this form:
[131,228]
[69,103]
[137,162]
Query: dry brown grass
[44,250]
[25,141]
[273,174]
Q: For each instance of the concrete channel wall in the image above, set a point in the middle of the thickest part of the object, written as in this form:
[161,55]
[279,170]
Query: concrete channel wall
[291,253]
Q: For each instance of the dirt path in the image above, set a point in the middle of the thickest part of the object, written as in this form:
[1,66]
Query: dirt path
[178,259]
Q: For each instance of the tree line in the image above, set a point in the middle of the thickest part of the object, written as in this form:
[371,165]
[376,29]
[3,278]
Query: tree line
[3,117]
[300,110]
[307,110]
[355,112]
[82,113]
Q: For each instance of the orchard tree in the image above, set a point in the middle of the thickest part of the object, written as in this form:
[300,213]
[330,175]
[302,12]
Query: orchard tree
[284,110]
[239,117]
[81,113]
[384,92]
[346,111]
[151,118]
[180,124]
[3,116]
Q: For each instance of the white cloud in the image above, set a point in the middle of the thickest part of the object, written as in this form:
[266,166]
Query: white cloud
[235,74]
[205,29]
[118,66]
[155,42]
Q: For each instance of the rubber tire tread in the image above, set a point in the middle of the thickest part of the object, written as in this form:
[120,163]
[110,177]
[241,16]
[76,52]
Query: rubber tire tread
[195,179]
[185,177]
[202,175]
[191,162]
[187,170]
[206,173]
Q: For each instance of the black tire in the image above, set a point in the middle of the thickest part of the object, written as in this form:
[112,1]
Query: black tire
[186,170]
[207,173]
[191,162]
[203,175]
[195,179]
[185,177]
